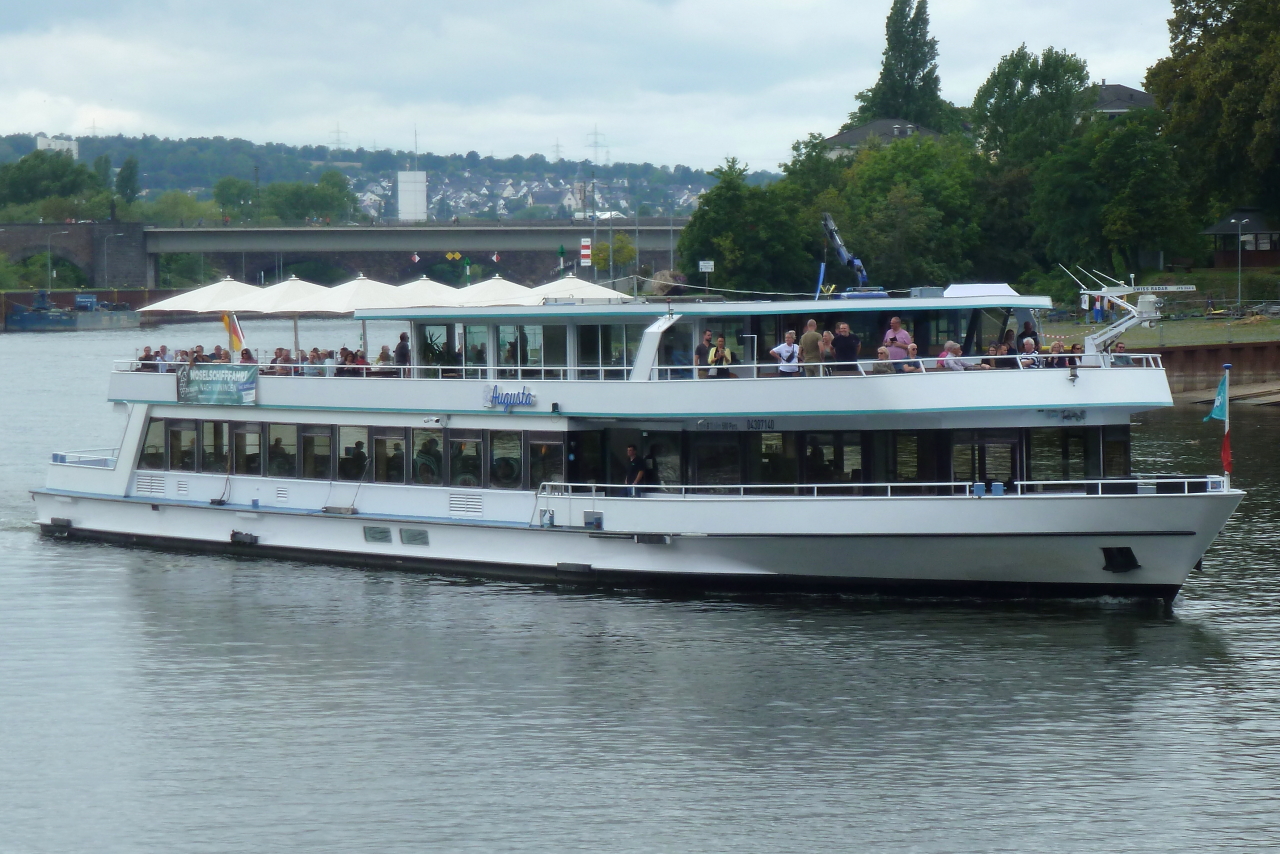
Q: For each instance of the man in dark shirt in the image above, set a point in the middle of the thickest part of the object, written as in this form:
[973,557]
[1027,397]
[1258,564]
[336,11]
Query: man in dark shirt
[847,347]
[635,471]
[402,352]
[1028,331]
[702,353]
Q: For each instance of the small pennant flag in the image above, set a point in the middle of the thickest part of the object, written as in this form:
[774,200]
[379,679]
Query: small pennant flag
[1219,410]
[234,334]
[414,256]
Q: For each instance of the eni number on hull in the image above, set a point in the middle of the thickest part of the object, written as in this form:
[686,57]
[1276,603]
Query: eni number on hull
[591,442]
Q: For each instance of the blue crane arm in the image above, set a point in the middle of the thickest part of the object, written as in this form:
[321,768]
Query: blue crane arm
[847,259]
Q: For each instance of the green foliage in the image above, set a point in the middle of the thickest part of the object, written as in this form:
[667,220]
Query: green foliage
[178,208]
[908,87]
[751,233]
[127,186]
[1030,104]
[102,168]
[295,201]
[1221,87]
[1113,190]
[622,252]
[233,196]
[34,273]
[42,174]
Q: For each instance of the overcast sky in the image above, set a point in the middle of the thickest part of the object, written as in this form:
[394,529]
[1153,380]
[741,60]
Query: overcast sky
[667,81]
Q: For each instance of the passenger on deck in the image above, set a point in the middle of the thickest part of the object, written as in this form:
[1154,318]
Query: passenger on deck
[1121,359]
[635,472]
[882,365]
[1077,350]
[403,353]
[358,459]
[315,364]
[220,355]
[330,365]
[148,360]
[428,462]
[1028,331]
[395,463]
[828,351]
[163,358]
[197,355]
[246,357]
[951,358]
[811,349]
[1028,357]
[702,354]
[383,363]
[1004,359]
[847,347]
[896,339]
[719,358]
[989,362]
[913,365]
[787,354]
[1056,358]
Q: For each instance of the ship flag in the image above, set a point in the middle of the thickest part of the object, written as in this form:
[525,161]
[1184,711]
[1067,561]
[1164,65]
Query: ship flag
[235,335]
[1222,411]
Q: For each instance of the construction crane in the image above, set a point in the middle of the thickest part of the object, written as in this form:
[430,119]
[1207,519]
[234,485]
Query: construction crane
[847,259]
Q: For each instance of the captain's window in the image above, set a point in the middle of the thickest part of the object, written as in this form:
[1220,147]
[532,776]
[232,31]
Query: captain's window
[182,445]
[282,450]
[388,455]
[152,457]
[246,448]
[317,452]
[353,453]
[506,468]
[215,447]
[427,464]
[466,457]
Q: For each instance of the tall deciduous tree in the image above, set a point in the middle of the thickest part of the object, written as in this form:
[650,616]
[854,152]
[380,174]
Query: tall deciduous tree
[45,174]
[1221,87]
[233,195]
[908,87]
[127,186]
[102,168]
[1030,104]
[751,233]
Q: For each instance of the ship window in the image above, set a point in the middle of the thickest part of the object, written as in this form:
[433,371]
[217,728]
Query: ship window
[1115,450]
[513,351]
[433,349]
[466,458]
[613,352]
[676,348]
[773,457]
[152,458]
[1056,454]
[546,460]
[282,450]
[377,534]
[246,447]
[215,447]
[555,350]
[317,452]
[428,462]
[476,349]
[588,352]
[906,456]
[506,469]
[353,453]
[661,450]
[717,459]
[182,445]
[634,332]
[415,537]
[833,458]
[388,456]
[585,457]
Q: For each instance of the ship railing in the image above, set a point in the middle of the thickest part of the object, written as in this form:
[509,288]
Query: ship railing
[1141,485]
[919,366]
[95,458]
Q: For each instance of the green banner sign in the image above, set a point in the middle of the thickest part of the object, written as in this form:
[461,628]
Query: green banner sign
[222,385]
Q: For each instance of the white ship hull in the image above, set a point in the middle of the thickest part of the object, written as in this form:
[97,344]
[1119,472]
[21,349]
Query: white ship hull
[1012,545]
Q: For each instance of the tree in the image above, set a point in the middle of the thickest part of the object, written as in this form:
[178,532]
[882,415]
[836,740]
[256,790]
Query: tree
[127,186]
[233,196]
[752,234]
[1221,88]
[102,168]
[1030,104]
[908,85]
[1116,189]
[622,252]
[45,174]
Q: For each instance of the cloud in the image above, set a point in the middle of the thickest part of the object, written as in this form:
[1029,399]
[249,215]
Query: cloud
[667,81]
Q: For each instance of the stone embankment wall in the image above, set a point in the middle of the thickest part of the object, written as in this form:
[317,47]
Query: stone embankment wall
[1199,366]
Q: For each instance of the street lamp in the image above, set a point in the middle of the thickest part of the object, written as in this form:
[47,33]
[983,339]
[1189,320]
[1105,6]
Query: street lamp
[48,258]
[106,259]
[1239,251]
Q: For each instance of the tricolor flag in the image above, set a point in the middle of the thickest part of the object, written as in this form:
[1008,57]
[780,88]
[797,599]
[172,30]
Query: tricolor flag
[234,334]
[1221,402]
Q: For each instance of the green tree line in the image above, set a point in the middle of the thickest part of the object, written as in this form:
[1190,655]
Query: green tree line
[1026,177]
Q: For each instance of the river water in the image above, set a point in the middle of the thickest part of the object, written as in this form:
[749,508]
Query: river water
[175,703]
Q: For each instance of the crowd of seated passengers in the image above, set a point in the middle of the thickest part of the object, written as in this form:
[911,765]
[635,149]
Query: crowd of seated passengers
[316,363]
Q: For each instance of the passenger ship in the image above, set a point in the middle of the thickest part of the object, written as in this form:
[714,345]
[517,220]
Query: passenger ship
[502,452]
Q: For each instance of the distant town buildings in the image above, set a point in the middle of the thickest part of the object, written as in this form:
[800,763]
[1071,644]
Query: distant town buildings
[882,130]
[1115,99]
[58,143]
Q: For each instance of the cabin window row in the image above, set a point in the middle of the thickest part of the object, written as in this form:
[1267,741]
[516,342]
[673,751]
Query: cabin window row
[498,459]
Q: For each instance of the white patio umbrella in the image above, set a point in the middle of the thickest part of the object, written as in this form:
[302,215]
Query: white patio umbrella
[210,298]
[425,292]
[273,299]
[572,288]
[345,298]
[495,291]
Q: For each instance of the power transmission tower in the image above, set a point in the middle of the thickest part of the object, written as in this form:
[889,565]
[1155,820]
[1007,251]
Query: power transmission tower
[338,134]
[596,141]
[555,149]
